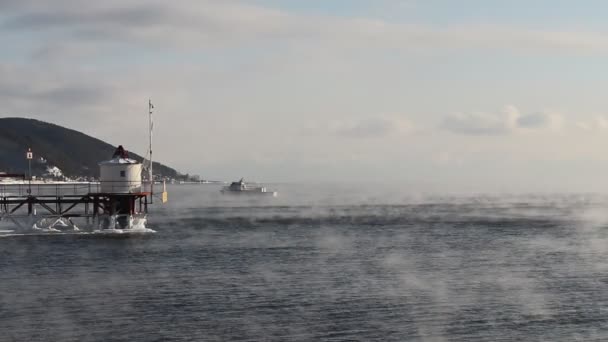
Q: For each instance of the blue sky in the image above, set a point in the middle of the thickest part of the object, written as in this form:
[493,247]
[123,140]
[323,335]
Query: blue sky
[457,93]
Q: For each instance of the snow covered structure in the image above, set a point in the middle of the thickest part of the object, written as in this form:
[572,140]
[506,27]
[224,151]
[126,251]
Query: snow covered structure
[120,176]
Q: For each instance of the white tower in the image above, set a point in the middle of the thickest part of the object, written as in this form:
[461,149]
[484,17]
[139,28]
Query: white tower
[120,176]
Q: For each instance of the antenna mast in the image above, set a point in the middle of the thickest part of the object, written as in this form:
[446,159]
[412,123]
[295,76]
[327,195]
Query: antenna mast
[151,126]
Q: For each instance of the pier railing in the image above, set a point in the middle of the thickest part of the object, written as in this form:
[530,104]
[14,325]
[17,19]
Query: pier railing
[60,189]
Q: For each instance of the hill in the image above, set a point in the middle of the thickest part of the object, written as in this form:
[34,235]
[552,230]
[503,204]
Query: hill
[74,153]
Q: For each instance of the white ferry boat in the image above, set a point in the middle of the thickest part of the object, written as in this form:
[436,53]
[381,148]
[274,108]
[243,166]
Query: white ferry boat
[240,188]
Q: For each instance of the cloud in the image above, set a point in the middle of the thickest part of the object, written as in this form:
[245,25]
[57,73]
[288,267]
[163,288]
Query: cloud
[196,24]
[599,122]
[540,120]
[191,24]
[372,128]
[366,128]
[534,120]
[508,121]
[30,89]
[482,123]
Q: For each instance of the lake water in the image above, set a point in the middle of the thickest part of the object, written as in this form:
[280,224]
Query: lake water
[321,263]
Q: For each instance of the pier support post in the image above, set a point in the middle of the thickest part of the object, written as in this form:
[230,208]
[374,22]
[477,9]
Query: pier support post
[30,206]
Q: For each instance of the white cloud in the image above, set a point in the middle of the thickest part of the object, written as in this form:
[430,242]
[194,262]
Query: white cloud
[201,23]
[598,122]
[534,120]
[378,127]
[482,123]
[541,121]
[508,121]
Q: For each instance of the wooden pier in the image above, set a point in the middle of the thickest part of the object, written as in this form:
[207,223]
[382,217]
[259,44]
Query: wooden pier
[42,205]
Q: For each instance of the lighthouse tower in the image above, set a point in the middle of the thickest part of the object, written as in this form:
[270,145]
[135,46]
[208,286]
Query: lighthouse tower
[120,175]
[120,182]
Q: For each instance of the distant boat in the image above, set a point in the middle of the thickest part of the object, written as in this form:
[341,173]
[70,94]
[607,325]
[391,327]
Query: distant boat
[240,188]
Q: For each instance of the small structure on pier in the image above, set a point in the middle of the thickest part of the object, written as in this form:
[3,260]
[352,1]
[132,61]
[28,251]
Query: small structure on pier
[119,201]
[120,175]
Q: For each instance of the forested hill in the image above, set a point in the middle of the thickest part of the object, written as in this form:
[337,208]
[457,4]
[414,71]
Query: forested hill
[74,153]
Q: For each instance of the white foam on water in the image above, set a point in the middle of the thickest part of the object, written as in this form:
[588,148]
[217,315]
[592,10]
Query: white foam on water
[45,229]
[136,231]
[138,227]
[13,234]
[124,232]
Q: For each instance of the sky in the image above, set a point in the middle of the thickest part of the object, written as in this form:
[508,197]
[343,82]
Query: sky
[471,94]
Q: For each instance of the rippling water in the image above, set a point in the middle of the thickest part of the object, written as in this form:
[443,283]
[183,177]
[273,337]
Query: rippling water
[321,264]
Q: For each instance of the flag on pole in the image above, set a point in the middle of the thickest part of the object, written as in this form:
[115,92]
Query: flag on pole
[151,106]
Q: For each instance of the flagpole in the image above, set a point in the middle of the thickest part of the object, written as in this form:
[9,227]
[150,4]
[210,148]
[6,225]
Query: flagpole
[150,126]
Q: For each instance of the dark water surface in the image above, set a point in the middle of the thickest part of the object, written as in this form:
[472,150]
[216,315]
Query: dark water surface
[321,265]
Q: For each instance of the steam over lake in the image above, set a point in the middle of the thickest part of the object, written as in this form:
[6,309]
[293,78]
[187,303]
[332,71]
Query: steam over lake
[321,263]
